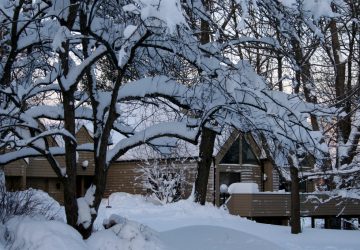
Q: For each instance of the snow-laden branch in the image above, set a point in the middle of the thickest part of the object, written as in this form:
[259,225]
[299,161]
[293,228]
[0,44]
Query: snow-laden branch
[161,86]
[31,152]
[76,72]
[173,129]
[28,141]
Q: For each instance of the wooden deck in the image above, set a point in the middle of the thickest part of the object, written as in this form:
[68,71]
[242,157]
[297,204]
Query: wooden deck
[279,204]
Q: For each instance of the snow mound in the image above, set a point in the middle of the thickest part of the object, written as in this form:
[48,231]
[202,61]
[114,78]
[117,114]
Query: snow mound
[243,188]
[37,233]
[54,209]
[213,238]
[124,234]
[159,217]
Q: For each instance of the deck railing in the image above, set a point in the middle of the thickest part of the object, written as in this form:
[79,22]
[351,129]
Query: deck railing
[265,204]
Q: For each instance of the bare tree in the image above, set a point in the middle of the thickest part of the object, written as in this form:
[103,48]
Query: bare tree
[157,58]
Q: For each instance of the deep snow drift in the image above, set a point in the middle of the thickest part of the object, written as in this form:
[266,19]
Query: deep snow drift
[142,223]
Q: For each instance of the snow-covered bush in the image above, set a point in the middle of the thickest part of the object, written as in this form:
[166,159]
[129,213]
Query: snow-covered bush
[30,202]
[165,181]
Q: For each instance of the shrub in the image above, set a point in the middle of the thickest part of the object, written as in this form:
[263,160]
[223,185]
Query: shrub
[166,182]
[28,202]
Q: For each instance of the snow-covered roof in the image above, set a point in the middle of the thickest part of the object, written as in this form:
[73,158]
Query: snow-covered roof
[174,148]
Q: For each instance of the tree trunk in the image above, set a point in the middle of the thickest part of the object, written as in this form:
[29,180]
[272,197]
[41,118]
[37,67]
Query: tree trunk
[70,202]
[344,125]
[99,182]
[207,136]
[295,199]
[304,78]
[204,164]
[69,180]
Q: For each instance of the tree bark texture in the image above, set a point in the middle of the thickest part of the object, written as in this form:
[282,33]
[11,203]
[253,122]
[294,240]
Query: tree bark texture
[204,163]
[207,137]
[295,199]
[344,126]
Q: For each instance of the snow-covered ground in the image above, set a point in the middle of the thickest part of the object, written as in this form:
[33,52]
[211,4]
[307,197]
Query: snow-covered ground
[145,224]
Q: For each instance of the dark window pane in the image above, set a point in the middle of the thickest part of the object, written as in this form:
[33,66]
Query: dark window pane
[303,186]
[247,154]
[229,177]
[232,155]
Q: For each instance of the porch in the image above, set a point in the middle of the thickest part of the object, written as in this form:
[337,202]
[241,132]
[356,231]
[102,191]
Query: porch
[267,206]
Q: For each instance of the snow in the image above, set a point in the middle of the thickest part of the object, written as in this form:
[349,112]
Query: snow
[85,209]
[216,238]
[125,234]
[39,234]
[60,37]
[182,225]
[123,57]
[224,188]
[176,129]
[317,8]
[243,188]
[129,30]
[85,164]
[168,11]
[135,222]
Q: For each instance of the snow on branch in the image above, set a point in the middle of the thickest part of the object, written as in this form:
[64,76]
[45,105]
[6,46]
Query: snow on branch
[28,141]
[154,86]
[76,72]
[168,11]
[174,129]
[31,152]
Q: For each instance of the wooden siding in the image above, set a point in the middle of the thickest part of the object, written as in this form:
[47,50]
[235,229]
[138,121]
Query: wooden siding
[15,168]
[50,185]
[86,156]
[56,189]
[122,178]
[83,136]
[268,171]
[125,177]
[276,180]
[15,175]
[210,195]
[278,205]
[40,167]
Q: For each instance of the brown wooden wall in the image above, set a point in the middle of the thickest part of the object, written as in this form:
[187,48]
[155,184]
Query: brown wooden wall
[50,185]
[125,177]
[122,176]
[15,168]
[40,167]
[278,205]
[15,175]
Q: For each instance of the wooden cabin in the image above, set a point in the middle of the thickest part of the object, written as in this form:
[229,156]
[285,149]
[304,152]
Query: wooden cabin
[239,159]
[123,175]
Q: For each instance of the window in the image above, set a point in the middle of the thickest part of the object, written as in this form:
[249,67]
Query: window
[248,157]
[233,154]
[229,178]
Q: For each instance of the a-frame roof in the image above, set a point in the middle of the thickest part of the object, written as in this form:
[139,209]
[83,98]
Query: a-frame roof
[255,148]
